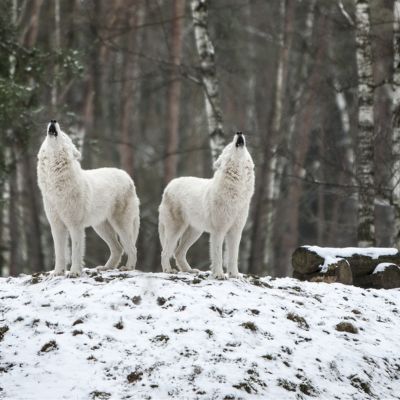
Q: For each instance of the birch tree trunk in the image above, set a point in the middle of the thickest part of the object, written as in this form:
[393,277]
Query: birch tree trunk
[365,135]
[205,49]
[396,123]
[130,75]
[348,175]
[174,94]
[273,182]
[343,108]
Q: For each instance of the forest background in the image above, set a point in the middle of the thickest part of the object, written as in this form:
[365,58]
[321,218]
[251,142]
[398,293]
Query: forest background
[156,87]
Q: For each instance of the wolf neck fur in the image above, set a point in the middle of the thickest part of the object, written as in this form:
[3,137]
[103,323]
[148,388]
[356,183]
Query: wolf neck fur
[64,169]
[229,179]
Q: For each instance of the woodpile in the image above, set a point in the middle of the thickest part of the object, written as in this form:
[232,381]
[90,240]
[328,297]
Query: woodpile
[368,268]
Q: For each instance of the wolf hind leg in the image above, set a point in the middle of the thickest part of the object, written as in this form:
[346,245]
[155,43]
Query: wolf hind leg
[109,235]
[126,225]
[188,238]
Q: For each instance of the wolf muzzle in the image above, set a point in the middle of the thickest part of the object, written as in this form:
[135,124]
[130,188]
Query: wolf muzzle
[240,139]
[52,128]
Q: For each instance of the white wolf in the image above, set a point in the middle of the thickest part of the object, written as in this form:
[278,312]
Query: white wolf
[74,199]
[219,206]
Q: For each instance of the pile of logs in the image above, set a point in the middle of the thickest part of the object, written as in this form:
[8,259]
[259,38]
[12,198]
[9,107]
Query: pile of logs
[357,269]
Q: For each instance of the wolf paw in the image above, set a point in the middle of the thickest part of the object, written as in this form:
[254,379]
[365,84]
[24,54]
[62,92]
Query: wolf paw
[170,271]
[125,268]
[74,274]
[194,271]
[103,268]
[56,272]
[235,275]
[188,270]
[219,275]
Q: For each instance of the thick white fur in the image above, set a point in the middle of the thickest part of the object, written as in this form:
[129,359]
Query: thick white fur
[219,206]
[74,199]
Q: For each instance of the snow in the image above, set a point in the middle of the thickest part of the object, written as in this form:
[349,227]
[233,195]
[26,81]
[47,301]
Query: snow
[382,266]
[332,255]
[155,336]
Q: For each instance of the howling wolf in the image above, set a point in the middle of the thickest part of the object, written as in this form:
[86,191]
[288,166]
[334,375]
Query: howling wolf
[74,199]
[219,206]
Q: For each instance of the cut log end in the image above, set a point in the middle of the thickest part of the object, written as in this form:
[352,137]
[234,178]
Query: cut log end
[389,278]
[305,261]
[337,273]
[343,273]
[348,267]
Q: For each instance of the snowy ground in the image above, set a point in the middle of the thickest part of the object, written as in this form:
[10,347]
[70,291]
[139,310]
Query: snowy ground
[156,336]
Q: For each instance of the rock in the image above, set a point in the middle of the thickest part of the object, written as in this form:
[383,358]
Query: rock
[346,327]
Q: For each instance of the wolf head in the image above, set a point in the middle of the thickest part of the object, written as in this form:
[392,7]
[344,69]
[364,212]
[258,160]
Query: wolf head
[57,140]
[235,152]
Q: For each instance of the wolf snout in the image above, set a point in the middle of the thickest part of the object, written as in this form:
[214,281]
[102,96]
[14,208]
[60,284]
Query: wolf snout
[240,139]
[52,128]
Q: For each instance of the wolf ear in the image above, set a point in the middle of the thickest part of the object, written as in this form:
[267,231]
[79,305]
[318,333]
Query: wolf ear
[217,163]
[222,156]
[76,153]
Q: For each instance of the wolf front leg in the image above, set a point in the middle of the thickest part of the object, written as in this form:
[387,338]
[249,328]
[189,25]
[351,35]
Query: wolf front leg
[216,242]
[78,250]
[60,237]
[232,242]
[232,251]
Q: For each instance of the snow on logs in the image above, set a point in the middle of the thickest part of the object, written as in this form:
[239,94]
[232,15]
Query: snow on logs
[372,267]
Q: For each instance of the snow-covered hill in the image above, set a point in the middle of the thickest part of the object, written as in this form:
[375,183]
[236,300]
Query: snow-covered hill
[156,336]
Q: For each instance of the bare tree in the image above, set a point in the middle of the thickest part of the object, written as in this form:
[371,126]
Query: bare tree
[396,123]
[174,93]
[130,90]
[205,49]
[266,184]
[31,206]
[57,46]
[13,200]
[365,147]
[14,224]
[299,135]
[273,181]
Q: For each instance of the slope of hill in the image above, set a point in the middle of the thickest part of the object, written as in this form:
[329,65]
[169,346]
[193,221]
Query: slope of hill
[154,336]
